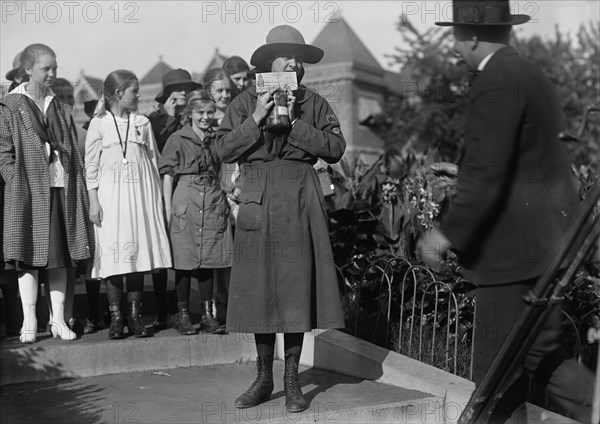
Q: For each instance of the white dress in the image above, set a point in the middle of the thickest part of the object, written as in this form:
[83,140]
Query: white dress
[132,237]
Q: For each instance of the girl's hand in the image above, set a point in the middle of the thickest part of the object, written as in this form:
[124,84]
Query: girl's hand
[96,214]
[264,104]
[291,103]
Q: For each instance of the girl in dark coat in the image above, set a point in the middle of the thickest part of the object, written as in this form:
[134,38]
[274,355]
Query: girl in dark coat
[177,84]
[199,227]
[283,277]
[46,203]
[222,90]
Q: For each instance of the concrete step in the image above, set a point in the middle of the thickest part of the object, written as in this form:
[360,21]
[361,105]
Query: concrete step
[95,354]
[206,395]
[171,378]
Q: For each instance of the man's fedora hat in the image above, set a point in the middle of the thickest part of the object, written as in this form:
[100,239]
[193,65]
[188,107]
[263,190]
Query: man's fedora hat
[280,39]
[483,12]
[179,77]
[10,75]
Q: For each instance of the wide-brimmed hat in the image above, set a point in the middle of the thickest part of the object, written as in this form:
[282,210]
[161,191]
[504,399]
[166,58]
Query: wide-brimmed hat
[483,13]
[179,77]
[10,75]
[280,39]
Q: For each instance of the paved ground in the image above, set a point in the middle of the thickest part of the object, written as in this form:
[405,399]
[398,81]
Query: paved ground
[198,395]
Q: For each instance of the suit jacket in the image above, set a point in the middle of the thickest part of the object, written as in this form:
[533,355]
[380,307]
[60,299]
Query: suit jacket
[24,168]
[516,194]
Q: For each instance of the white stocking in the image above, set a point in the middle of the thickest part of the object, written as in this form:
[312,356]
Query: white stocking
[57,283]
[28,290]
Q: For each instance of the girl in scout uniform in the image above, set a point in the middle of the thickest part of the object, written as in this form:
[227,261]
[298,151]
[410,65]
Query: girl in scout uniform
[201,236]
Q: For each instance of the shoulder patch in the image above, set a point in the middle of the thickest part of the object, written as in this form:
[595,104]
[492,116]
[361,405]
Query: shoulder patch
[331,119]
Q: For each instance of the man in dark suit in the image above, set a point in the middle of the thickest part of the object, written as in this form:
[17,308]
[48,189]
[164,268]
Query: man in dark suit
[514,201]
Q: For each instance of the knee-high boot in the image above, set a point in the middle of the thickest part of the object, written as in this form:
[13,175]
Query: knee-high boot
[208,323]
[134,319]
[184,323]
[294,399]
[260,391]
[113,294]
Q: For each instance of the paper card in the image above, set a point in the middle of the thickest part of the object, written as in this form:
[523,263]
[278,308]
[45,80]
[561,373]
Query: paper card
[283,80]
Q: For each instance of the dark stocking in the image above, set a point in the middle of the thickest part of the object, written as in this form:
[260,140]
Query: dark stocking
[292,343]
[114,289]
[205,284]
[265,344]
[182,285]
[135,282]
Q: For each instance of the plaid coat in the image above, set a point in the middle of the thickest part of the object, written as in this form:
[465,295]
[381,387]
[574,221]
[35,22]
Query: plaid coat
[24,168]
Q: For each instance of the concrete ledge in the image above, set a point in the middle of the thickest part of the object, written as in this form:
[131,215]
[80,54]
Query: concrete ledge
[340,352]
[95,355]
[51,359]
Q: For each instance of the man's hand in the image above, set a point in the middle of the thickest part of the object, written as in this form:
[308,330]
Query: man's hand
[432,248]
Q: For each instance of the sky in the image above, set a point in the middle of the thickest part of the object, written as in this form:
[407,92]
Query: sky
[101,36]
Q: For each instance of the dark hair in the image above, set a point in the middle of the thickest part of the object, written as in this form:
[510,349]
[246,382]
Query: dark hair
[89,107]
[31,53]
[235,64]
[64,91]
[116,80]
[218,74]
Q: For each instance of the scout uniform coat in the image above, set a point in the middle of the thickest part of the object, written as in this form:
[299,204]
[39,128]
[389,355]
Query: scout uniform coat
[200,231]
[27,190]
[283,276]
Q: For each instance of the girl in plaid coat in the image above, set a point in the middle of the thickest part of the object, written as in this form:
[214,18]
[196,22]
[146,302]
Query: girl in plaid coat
[46,203]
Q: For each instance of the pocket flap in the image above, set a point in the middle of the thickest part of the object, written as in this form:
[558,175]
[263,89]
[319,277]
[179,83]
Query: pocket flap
[250,197]
[179,209]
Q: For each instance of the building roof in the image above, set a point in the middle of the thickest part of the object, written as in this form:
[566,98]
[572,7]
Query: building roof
[216,61]
[341,44]
[156,74]
[87,88]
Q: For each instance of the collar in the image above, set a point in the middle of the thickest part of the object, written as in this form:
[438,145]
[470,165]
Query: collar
[485,61]
[188,132]
[22,89]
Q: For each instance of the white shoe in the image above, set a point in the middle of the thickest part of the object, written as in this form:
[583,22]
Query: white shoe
[28,332]
[62,330]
